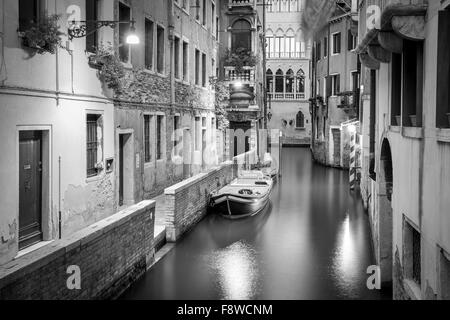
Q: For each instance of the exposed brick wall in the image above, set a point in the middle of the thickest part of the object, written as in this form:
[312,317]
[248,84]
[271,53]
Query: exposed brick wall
[111,254]
[187,202]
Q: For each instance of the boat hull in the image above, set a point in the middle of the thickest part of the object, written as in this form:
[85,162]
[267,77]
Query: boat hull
[233,207]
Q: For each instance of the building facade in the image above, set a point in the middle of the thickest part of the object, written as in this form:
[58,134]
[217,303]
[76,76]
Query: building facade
[288,55]
[406,154]
[82,140]
[241,68]
[335,79]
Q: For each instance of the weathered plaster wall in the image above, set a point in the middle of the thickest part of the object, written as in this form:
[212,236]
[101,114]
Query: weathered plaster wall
[53,93]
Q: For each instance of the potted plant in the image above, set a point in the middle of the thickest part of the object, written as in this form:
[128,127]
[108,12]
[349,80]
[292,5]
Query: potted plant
[448,117]
[44,35]
[240,58]
[398,119]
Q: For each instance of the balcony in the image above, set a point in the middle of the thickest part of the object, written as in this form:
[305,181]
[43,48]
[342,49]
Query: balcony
[246,76]
[241,3]
[285,55]
[286,96]
[348,101]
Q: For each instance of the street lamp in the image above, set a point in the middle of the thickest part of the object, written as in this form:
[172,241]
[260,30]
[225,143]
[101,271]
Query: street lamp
[79,29]
[132,37]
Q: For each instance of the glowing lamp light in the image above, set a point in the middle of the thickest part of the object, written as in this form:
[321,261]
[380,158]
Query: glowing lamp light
[238,85]
[352,128]
[132,37]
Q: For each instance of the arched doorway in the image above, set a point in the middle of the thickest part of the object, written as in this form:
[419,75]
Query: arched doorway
[385,187]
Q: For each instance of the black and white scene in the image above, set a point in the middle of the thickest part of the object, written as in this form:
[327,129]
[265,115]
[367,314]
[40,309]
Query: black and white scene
[225,150]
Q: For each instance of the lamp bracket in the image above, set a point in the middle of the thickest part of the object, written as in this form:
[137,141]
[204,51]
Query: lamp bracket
[79,29]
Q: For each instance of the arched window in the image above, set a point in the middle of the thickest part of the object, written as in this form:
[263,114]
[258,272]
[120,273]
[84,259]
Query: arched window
[269,75]
[300,79]
[279,81]
[290,81]
[241,35]
[300,120]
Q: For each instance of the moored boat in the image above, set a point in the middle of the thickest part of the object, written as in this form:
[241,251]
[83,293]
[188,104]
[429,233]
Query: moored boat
[246,196]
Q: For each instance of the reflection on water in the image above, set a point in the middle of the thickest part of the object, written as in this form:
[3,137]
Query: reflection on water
[344,261]
[311,242]
[236,269]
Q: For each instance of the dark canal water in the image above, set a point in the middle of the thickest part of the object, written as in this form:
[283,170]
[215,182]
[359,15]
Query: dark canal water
[312,242]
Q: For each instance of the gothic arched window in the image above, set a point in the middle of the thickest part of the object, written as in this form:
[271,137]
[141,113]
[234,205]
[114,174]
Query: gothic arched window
[269,76]
[241,35]
[300,79]
[279,81]
[290,81]
[300,120]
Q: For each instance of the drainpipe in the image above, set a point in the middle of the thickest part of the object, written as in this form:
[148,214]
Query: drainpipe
[264,65]
[171,20]
[57,65]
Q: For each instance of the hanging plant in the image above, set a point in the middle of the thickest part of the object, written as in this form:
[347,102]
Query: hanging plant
[240,58]
[222,93]
[44,35]
[110,69]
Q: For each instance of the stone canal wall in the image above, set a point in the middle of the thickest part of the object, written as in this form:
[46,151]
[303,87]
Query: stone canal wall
[187,201]
[107,256]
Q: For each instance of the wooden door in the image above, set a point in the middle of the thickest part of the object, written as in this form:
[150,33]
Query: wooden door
[121,169]
[30,188]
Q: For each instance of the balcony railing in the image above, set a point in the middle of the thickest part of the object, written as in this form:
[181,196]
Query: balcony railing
[286,96]
[241,3]
[348,100]
[285,55]
[247,75]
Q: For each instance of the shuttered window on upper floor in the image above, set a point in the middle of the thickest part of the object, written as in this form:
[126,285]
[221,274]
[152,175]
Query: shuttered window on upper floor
[443,71]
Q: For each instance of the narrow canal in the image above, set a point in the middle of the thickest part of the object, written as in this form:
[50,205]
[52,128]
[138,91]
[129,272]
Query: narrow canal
[311,242]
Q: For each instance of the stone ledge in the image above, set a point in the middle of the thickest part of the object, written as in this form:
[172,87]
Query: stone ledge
[412,132]
[28,263]
[191,181]
[443,135]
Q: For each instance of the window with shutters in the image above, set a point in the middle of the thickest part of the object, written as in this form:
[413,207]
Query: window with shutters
[444,275]
[92,15]
[160,49]
[335,84]
[124,29]
[336,43]
[185,60]
[396,89]
[148,134]
[351,41]
[149,34]
[197,67]
[318,51]
[412,252]
[443,76]
[29,12]
[160,136]
[412,82]
[177,57]
[203,70]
